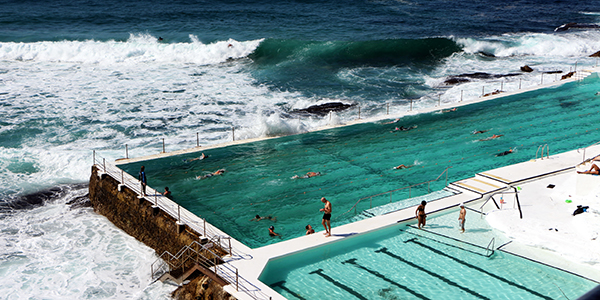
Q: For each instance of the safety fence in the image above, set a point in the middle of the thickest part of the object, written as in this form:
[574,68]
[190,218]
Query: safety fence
[167,263]
[225,270]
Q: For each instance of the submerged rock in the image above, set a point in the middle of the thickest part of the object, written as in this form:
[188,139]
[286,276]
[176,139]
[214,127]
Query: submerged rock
[477,75]
[573,25]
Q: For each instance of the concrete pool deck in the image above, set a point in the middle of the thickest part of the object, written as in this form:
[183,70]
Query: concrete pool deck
[530,178]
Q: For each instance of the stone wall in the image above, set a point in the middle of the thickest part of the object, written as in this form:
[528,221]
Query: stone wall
[158,231]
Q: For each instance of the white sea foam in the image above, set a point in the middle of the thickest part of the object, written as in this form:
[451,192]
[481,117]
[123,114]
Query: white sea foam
[55,252]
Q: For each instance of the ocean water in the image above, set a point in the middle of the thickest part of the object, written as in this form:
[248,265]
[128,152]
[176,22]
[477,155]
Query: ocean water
[78,76]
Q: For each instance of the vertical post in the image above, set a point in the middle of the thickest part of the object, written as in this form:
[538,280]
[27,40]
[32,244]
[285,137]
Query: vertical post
[410,104]
[155,200]
[390,197]
[409,188]
[230,251]
[461,95]
[359,112]
[388,108]
[197,140]
[439,100]
[104,164]
[446,176]
[94,157]
[179,213]
[204,226]
[122,179]
[233,133]
[482,91]
[163,145]
[501,85]
[329,116]
[237,281]
[519,83]
[370,202]
[126,151]
[542,82]
[575,67]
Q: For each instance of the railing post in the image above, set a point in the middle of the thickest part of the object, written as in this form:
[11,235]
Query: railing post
[237,281]
[439,100]
[204,227]
[520,83]
[197,140]
[163,145]
[359,112]
[388,108]
[411,104]
[482,91]
[230,251]
[409,190]
[179,213]
[370,202]
[501,85]
[126,151]
[542,82]
[94,157]
[104,164]
[122,178]
[233,133]
[390,197]
[461,95]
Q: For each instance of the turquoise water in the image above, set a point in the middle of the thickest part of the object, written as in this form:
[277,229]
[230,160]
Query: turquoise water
[401,262]
[356,161]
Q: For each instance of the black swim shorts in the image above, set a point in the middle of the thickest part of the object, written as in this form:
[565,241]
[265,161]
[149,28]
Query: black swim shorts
[326,216]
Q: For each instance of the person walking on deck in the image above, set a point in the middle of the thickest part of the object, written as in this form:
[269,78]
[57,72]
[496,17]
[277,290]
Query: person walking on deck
[462,217]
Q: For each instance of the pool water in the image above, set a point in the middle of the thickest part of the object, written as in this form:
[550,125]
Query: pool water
[356,161]
[402,262]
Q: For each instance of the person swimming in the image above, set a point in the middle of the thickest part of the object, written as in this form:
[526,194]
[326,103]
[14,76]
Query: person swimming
[307,175]
[402,128]
[215,173]
[402,166]
[201,157]
[479,131]
[494,136]
[507,152]
[259,218]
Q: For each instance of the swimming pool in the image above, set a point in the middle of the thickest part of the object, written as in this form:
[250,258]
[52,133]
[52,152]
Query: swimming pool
[402,262]
[356,161]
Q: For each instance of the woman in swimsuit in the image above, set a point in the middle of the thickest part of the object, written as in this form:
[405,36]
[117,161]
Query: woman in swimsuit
[420,213]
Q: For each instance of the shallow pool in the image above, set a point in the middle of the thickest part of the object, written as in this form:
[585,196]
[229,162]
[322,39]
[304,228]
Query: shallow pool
[356,161]
[402,262]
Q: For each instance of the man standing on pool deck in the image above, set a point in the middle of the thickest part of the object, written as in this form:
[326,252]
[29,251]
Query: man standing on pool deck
[461,217]
[326,216]
[142,178]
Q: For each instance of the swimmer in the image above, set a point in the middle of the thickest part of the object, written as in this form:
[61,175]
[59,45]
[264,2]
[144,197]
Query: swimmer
[449,110]
[494,136]
[505,152]
[269,217]
[479,131]
[167,193]
[392,122]
[272,232]
[201,157]
[402,128]
[402,167]
[309,229]
[215,173]
[308,175]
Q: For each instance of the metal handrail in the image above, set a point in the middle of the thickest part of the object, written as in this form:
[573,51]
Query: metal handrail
[594,144]
[488,247]
[390,192]
[547,151]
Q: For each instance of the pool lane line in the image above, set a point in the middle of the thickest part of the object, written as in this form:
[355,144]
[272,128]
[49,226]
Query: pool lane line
[438,252]
[384,250]
[338,284]
[281,285]
[352,261]
[443,243]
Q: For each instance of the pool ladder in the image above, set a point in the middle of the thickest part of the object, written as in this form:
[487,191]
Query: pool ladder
[545,146]
[490,248]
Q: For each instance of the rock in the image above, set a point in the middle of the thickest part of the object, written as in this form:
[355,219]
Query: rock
[568,75]
[597,54]
[526,68]
[323,109]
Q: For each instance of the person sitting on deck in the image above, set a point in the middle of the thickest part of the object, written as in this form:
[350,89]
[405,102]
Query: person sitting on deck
[594,170]
[215,173]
